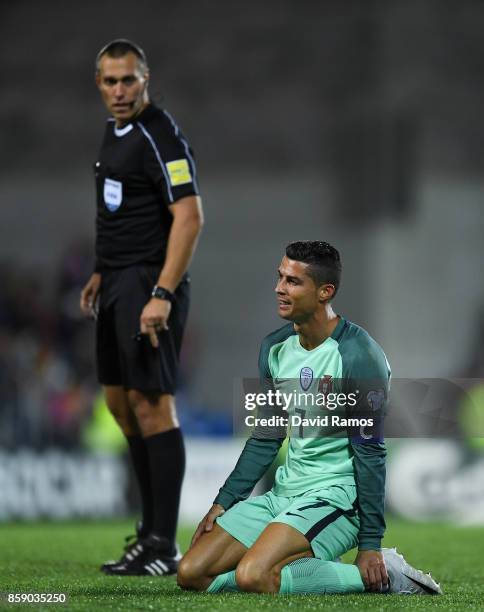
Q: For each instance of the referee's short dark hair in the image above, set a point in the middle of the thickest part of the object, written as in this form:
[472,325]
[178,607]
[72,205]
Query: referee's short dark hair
[121,47]
[323,260]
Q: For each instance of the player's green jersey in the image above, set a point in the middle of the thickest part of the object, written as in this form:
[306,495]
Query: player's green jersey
[316,460]
[355,362]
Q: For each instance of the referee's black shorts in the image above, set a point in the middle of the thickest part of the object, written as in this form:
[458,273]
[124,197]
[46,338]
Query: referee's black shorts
[122,359]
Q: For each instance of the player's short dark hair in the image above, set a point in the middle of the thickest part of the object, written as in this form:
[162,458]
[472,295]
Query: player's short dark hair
[323,260]
[121,47]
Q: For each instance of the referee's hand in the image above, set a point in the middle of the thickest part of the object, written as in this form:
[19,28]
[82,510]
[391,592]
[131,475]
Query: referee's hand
[89,295]
[154,319]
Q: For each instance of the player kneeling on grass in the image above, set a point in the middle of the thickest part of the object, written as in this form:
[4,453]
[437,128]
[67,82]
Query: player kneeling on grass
[328,497]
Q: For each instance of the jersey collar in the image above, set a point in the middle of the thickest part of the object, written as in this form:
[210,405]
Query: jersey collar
[338,330]
[145,115]
[119,132]
[336,335]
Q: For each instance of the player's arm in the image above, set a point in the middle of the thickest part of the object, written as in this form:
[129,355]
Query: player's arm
[370,472]
[259,451]
[369,452]
[369,463]
[257,456]
[254,461]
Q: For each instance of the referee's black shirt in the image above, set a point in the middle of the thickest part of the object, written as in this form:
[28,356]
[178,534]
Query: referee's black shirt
[143,167]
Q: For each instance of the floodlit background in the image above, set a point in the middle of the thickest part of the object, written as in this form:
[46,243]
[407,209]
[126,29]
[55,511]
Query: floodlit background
[359,123]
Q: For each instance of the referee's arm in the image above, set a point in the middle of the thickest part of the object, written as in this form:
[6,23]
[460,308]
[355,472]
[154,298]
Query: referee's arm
[182,241]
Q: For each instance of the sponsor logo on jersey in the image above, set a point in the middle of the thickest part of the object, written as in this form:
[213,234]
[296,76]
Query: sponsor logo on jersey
[113,194]
[179,172]
[376,399]
[306,377]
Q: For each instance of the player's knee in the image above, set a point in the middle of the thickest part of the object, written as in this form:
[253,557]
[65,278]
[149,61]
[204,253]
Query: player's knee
[250,577]
[189,575]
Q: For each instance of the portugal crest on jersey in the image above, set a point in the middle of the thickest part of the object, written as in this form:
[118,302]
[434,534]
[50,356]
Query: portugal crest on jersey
[325,384]
[306,378]
[113,194]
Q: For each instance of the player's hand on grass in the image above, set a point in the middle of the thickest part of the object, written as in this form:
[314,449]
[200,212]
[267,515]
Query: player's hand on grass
[372,569]
[89,295]
[154,319]
[206,524]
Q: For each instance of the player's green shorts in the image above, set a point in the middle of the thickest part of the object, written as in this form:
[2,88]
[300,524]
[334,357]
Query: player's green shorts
[328,518]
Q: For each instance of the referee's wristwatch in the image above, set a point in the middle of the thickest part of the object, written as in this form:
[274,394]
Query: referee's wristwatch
[162,294]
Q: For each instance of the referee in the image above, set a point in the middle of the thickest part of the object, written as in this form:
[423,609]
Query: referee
[149,217]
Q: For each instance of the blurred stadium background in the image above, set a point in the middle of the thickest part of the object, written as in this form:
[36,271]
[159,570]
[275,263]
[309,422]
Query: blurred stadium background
[355,122]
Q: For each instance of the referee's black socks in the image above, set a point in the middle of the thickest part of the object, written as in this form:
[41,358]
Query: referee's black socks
[141,464]
[166,453]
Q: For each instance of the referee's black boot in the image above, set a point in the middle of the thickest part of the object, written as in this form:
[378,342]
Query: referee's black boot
[155,559]
[132,549]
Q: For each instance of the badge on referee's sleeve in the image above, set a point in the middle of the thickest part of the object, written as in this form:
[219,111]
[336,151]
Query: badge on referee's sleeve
[179,172]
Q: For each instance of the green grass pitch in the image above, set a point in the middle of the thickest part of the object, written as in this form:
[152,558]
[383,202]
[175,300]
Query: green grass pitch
[64,558]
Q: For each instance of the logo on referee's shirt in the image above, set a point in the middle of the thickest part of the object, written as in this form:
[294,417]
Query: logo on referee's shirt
[179,172]
[306,378]
[113,194]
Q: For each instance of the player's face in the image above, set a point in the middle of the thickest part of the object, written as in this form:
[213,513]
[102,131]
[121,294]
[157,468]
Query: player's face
[123,86]
[298,297]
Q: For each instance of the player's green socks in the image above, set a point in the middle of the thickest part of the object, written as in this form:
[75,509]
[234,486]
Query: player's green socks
[309,575]
[224,582]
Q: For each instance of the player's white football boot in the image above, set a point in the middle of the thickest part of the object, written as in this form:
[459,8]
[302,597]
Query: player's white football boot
[405,579]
